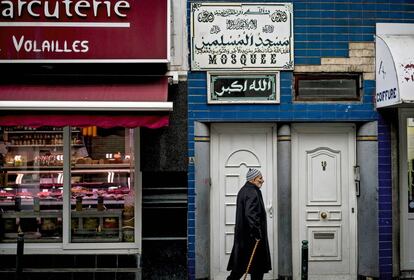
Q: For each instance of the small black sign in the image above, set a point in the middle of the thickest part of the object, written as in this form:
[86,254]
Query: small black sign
[255,88]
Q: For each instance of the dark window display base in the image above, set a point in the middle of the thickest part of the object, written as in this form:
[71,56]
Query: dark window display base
[72,267]
[64,275]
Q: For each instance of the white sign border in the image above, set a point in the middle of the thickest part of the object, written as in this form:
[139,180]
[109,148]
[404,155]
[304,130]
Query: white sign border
[291,65]
[242,74]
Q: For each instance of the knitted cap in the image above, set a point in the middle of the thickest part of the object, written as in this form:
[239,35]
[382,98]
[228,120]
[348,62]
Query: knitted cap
[252,173]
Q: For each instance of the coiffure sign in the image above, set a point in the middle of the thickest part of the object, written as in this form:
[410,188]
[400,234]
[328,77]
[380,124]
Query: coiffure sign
[84,30]
[394,64]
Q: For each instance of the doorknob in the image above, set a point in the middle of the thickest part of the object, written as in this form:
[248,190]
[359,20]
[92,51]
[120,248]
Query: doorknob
[324,215]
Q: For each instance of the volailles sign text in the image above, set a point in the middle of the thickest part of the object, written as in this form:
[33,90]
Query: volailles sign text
[83,30]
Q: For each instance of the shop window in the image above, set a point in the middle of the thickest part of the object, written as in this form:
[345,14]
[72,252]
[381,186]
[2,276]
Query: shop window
[327,87]
[99,193]
[31,190]
[410,157]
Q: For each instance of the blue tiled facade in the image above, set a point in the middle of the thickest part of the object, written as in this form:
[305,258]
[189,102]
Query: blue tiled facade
[384,199]
[322,28]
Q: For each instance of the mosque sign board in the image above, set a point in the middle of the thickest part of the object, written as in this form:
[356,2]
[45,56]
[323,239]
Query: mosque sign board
[241,36]
[245,87]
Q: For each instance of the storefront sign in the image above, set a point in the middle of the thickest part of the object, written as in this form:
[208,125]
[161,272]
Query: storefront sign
[387,89]
[394,64]
[241,36]
[246,88]
[84,31]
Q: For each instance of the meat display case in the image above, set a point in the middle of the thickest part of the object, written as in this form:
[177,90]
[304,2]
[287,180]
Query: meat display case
[35,207]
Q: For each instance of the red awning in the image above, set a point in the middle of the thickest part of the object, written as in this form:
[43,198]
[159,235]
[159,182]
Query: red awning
[151,90]
[82,120]
[104,105]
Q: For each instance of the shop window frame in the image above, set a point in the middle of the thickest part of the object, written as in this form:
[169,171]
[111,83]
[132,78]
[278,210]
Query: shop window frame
[357,77]
[69,247]
[402,205]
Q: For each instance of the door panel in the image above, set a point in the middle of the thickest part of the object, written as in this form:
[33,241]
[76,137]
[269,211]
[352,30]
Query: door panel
[235,148]
[325,243]
[323,174]
[323,200]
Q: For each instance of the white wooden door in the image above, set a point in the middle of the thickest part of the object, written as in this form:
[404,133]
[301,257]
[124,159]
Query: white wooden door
[324,200]
[235,148]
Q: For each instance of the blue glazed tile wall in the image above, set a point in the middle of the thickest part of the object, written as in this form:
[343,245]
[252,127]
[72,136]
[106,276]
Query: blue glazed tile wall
[384,199]
[322,28]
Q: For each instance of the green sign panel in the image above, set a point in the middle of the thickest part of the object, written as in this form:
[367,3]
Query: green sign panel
[251,88]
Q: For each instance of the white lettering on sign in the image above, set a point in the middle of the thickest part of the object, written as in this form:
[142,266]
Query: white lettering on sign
[262,85]
[69,8]
[45,46]
[388,94]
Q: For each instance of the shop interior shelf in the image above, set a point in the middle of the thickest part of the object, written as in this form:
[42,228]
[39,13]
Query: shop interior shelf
[40,145]
[96,213]
[57,185]
[113,167]
[36,131]
[31,214]
[11,238]
[104,231]
[46,202]
[20,169]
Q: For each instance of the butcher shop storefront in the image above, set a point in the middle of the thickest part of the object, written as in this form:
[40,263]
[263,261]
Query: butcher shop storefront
[70,168]
[395,102]
[72,110]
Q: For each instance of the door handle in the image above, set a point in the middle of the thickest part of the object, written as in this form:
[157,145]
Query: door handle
[270,209]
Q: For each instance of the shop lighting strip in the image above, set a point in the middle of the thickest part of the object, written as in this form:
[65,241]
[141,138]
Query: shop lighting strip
[86,105]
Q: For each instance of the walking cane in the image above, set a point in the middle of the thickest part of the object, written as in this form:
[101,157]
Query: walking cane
[251,259]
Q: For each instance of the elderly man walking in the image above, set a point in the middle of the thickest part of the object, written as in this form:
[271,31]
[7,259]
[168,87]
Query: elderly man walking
[250,227]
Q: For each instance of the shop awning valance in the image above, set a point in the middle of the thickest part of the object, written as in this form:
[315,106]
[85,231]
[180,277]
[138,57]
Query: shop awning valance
[104,105]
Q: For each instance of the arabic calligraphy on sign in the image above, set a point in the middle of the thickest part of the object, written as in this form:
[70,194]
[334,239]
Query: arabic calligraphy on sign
[242,36]
[251,88]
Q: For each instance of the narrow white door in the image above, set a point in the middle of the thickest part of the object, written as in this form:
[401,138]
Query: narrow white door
[235,148]
[324,200]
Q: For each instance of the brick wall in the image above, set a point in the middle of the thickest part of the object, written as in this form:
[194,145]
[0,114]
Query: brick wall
[361,60]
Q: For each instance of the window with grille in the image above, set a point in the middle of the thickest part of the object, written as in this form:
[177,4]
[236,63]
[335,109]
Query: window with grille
[327,87]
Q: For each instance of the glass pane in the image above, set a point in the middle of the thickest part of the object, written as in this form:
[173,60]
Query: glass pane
[410,157]
[102,195]
[31,183]
[328,88]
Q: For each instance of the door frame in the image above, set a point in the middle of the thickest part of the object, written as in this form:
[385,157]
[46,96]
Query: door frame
[215,129]
[403,114]
[323,128]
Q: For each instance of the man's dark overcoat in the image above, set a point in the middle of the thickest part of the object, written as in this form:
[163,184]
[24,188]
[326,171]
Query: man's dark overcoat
[250,225]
